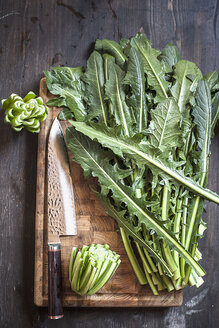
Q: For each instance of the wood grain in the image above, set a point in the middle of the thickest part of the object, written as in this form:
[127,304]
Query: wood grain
[93,226]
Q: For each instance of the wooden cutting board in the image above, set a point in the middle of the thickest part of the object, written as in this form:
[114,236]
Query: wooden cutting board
[93,226]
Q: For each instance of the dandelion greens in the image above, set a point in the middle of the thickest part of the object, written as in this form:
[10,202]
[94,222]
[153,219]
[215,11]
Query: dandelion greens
[142,121]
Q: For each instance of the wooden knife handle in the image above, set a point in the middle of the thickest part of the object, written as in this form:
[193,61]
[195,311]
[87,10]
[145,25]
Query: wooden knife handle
[55,308]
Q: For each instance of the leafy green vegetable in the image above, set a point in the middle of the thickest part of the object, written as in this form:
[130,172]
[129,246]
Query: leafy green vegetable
[164,130]
[136,79]
[93,159]
[112,48]
[115,92]
[202,119]
[107,60]
[181,88]
[170,55]
[65,82]
[65,114]
[143,155]
[91,267]
[25,113]
[212,79]
[152,66]
[94,78]
[145,129]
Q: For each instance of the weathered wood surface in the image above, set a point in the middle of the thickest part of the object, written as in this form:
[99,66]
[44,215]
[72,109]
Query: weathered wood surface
[93,226]
[35,35]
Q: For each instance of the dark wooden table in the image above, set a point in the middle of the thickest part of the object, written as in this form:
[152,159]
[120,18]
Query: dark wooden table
[37,34]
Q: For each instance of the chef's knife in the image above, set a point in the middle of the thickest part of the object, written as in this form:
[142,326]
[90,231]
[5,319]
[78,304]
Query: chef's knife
[61,214]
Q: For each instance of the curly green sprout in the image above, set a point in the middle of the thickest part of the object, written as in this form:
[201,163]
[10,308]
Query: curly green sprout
[91,267]
[25,113]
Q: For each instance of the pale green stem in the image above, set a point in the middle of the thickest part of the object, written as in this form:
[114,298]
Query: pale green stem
[168,283]
[155,248]
[151,263]
[150,282]
[146,237]
[186,279]
[190,228]
[71,264]
[158,281]
[176,230]
[132,258]
[144,261]
[164,217]
[103,279]
[183,235]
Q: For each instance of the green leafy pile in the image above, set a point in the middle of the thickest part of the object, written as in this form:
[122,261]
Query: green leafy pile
[25,113]
[91,267]
[142,122]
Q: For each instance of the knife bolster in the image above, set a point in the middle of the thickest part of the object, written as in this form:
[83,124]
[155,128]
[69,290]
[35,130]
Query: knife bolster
[55,307]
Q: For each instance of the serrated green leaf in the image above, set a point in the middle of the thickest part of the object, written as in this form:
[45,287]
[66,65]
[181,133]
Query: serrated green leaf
[65,114]
[170,55]
[151,127]
[94,79]
[107,60]
[65,82]
[186,127]
[113,48]
[164,130]
[124,43]
[202,119]
[136,79]
[116,93]
[215,88]
[152,66]
[181,88]
[211,78]
[89,155]
[120,145]
[56,102]
[130,229]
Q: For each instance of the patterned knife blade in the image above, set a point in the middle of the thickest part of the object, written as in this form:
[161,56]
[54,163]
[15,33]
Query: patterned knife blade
[61,214]
[61,204]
